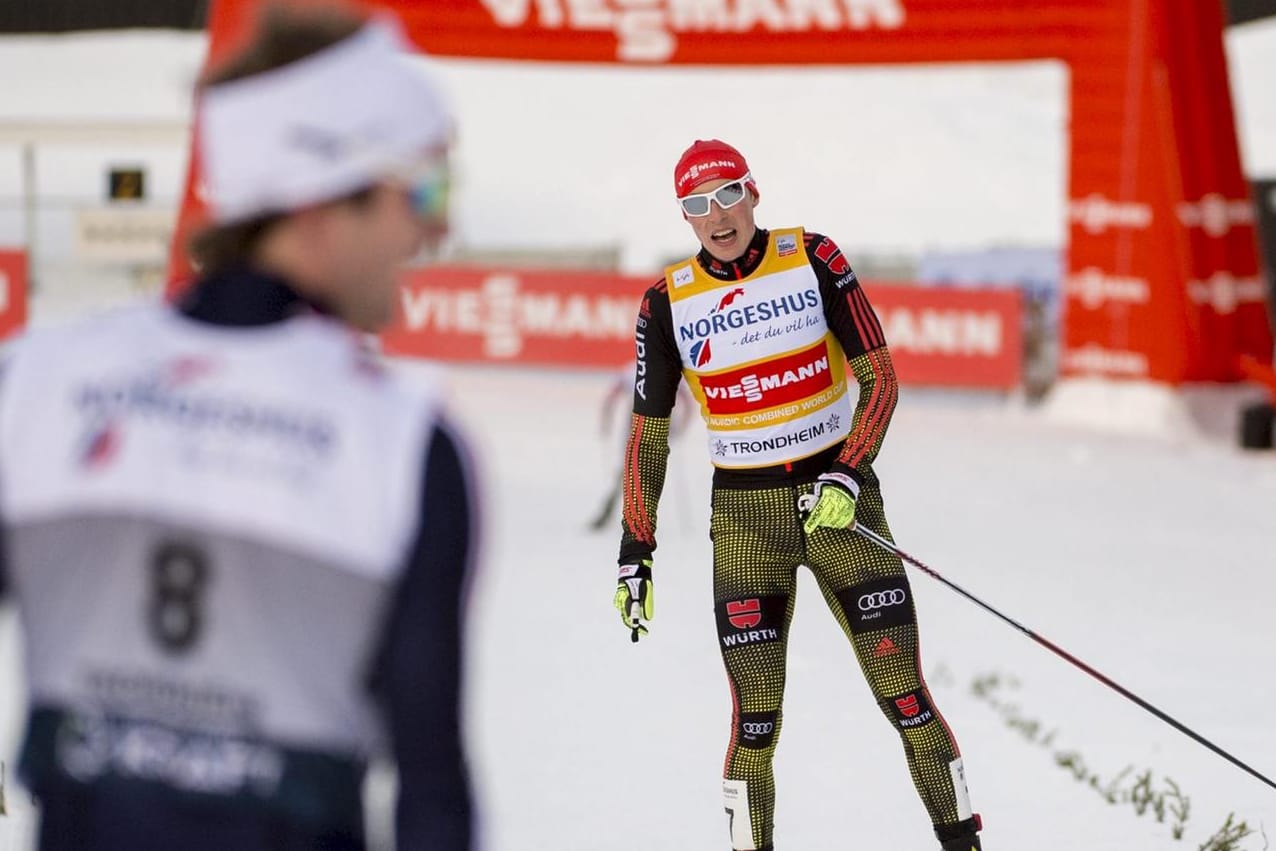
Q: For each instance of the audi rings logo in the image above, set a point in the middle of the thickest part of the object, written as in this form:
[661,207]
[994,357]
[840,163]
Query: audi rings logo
[882,599]
[758,728]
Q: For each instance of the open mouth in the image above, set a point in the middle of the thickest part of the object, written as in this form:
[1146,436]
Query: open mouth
[723,236]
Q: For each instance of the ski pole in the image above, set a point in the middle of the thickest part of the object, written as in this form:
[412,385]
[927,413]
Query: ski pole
[1059,651]
[635,620]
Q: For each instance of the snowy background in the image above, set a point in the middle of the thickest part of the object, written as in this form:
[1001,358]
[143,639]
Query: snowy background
[908,159]
[1152,558]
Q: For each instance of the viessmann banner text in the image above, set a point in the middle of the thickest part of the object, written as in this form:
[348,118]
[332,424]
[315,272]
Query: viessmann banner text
[947,337]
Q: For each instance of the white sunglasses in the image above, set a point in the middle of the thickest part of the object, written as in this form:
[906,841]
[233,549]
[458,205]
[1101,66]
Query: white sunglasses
[727,195]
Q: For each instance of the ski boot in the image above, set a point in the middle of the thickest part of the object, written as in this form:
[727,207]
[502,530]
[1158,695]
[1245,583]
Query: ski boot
[962,836]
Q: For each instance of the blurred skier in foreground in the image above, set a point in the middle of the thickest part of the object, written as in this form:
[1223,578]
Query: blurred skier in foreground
[239,547]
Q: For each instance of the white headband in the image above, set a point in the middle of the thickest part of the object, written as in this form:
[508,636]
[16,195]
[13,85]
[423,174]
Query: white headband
[318,128]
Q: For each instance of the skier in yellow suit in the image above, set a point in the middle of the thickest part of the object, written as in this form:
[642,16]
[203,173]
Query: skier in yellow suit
[762,324]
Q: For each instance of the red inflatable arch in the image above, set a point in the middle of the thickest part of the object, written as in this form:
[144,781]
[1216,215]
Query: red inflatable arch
[1162,270]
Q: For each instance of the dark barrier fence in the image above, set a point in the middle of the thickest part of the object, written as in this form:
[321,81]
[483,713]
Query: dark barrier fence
[1265,200]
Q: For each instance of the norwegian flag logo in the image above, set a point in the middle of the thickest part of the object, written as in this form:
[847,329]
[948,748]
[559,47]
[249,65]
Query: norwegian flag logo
[744,614]
[908,705]
[184,370]
[101,447]
[725,302]
[700,353]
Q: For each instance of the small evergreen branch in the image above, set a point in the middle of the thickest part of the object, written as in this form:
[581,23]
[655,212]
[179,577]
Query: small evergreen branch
[1112,792]
[1180,806]
[1139,791]
[1071,761]
[1228,837]
[1141,794]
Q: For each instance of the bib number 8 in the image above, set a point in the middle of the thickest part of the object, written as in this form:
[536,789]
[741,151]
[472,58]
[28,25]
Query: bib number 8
[179,577]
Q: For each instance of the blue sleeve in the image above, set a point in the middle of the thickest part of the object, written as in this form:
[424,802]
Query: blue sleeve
[417,674]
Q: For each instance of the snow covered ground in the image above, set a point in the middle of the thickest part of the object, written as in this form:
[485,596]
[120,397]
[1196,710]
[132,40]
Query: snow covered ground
[1151,560]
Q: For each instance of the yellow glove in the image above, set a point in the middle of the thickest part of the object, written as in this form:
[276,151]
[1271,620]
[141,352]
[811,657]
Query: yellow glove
[635,597]
[832,505]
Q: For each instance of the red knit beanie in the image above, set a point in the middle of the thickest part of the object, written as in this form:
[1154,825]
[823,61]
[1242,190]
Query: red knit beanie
[708,160]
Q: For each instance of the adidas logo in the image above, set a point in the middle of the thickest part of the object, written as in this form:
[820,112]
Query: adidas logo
[885,647]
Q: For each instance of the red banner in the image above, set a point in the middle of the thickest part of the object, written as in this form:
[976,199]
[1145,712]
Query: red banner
[13,291]
[953,338]
[1162,259]
[960,338]
[527,317]
[738,390]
